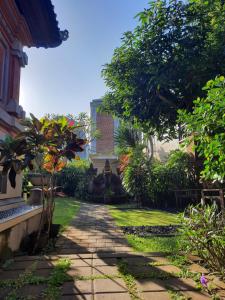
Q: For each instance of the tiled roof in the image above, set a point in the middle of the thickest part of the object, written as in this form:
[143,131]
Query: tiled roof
[42,22]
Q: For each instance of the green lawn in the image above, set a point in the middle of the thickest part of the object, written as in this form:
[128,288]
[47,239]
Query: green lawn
[153,244]
[140,217]
[65,210]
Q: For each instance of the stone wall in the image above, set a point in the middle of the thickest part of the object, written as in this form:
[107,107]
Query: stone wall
[162,149]
[11,238]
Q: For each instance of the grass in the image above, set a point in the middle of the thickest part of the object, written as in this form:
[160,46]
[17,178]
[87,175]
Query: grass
[65,210]
[129,280]
[145,217]
[53,282]
[153,244]
[140,217]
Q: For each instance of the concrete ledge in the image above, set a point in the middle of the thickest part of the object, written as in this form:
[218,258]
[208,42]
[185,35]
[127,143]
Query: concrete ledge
[14,221]
[6,204]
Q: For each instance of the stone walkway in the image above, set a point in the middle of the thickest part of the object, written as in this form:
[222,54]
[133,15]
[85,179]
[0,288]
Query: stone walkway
[92,231]
[102,267]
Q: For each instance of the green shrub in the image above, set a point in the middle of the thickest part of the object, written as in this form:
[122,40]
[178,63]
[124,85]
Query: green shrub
[177,173]
[207,122]
[135,176]
[153,182]
[74,179]
[203,233]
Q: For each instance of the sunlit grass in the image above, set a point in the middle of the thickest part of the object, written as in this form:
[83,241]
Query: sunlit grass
[65,211]
[140,217]
[153,244]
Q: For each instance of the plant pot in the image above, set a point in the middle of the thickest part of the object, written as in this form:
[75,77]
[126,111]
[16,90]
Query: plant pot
[38,179]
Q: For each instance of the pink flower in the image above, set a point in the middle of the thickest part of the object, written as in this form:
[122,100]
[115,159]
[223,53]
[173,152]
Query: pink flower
[203,280]
[71,123]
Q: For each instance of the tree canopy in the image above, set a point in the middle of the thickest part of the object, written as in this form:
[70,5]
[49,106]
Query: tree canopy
[207,126]
[163,64]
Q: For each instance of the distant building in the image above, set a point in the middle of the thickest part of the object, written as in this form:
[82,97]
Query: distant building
[83,135]
[161,149]
[104,147]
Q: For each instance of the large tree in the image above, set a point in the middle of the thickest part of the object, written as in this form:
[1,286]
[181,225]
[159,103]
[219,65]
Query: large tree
[162,65]
[206,124]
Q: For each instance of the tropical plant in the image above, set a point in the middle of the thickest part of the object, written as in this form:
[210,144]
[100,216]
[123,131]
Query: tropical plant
[127,138]
[203,232]
[162,65]
[154,181]
[47,143]
[206,125]
[135,176]
[15,156]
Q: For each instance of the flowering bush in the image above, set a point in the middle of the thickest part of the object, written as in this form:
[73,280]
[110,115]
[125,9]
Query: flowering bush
[203,232]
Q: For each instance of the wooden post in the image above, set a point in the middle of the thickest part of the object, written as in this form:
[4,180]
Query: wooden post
[202,198]
[221,192]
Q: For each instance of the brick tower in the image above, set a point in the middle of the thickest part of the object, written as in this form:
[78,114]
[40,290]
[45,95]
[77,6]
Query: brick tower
[102,148]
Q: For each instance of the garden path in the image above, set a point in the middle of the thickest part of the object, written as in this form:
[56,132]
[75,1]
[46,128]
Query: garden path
[102,267]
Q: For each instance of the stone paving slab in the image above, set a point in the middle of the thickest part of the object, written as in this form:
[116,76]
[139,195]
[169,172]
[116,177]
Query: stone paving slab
[80,271]
[77,297]
[218,283]
[155,296]
[4,292]
[221,293]
[180,284]
[95,246]
[175,284]
[196,295]
[5,275]
[155,285]
[112,296]
[195,268]
[105,270]
[85,262]
[31,290]
[109,285]
[159,260]
[112,261]
[170,269]
[43,272]
[77,287]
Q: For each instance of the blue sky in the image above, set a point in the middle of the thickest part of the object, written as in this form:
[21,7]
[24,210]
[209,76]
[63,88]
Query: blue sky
[67,78]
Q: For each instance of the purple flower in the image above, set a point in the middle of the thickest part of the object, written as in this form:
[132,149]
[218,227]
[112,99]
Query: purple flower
[203,280]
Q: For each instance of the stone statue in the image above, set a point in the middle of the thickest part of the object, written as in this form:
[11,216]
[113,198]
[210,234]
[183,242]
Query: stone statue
[106,185]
